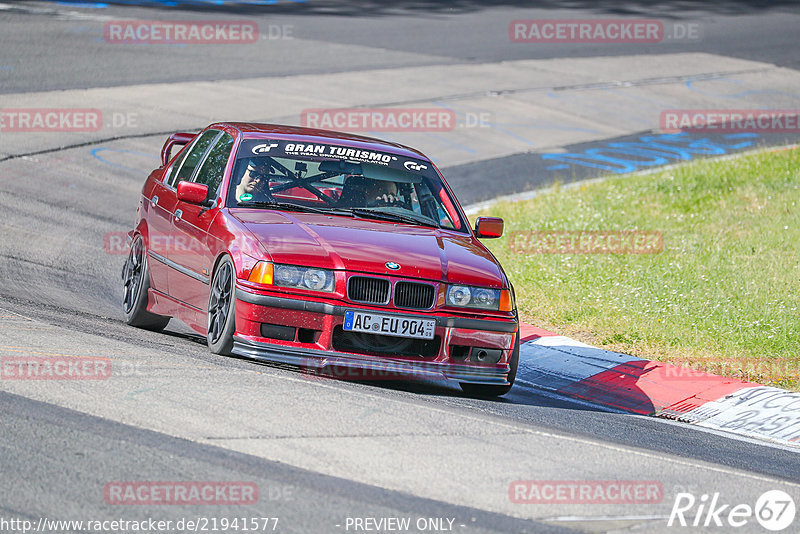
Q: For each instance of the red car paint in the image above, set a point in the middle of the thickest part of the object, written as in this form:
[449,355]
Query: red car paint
[202,234]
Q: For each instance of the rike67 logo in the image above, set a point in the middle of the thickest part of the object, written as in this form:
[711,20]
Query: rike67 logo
[774,510]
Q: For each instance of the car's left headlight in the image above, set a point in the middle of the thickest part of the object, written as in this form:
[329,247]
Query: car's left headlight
[294,276]
[479,297]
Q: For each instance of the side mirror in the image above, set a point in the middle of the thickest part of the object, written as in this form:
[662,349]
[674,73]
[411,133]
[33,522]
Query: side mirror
[489,227]
[193,193]
[179,139]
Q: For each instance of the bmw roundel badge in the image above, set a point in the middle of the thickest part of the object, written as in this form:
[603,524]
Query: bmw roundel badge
[392,265]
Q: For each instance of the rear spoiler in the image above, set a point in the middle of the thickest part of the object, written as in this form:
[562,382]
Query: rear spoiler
[174,139]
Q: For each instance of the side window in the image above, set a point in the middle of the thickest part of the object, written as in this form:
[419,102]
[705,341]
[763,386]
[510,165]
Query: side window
[193,157]
[173,172]
[213,167]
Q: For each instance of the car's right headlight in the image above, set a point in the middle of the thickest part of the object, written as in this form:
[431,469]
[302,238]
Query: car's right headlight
[479,297]
[309,278]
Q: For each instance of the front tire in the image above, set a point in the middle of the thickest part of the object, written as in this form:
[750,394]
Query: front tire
[484,390]
[221,322]
[135,283]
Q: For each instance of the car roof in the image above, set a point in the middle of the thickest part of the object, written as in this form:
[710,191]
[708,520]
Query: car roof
[255,130]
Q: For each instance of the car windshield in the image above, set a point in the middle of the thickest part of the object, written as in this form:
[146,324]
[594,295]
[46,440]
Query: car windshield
[286,175]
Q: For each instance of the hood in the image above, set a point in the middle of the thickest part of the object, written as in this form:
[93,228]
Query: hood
[365,245]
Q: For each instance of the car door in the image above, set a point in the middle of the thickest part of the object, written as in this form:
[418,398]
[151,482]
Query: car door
[162,207]
[191,224]
[159,206]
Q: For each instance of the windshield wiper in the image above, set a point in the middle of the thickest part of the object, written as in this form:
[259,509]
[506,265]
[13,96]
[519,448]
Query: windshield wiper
[288,206]
[349,212]
[390,216]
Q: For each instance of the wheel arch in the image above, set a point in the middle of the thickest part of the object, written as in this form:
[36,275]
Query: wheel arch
[220,257]
[142,230]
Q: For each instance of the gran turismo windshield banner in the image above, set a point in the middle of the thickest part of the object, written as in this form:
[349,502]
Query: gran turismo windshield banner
[250,148]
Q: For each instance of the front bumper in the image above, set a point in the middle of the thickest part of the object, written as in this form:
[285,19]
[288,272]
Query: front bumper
[322,357]
[324,361]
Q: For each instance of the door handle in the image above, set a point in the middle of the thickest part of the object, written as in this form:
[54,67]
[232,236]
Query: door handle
[154,201]
[178,215]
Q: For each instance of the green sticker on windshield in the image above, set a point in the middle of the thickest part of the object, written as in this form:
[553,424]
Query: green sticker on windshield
[246,196]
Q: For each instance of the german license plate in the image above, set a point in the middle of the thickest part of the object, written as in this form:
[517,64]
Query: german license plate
[389,325]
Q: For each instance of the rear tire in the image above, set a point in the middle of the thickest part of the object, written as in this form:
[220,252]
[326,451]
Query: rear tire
[221,322]
[484,390]
[135,283]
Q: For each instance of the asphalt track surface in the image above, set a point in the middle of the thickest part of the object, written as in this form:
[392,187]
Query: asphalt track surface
[319,450]
[465,31]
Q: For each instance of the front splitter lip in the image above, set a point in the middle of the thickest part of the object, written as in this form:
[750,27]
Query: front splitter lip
[319,360]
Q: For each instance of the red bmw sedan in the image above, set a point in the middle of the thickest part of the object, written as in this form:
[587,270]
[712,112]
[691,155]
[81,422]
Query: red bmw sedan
[320,249]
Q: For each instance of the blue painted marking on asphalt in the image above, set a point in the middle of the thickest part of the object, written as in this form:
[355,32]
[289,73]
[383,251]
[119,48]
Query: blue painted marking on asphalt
[88,5]
[648,151]
[132,394]
[690,85]
[557,167]
[173,3]
[95,151]
[741,136]
[744,135]
[512,134]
